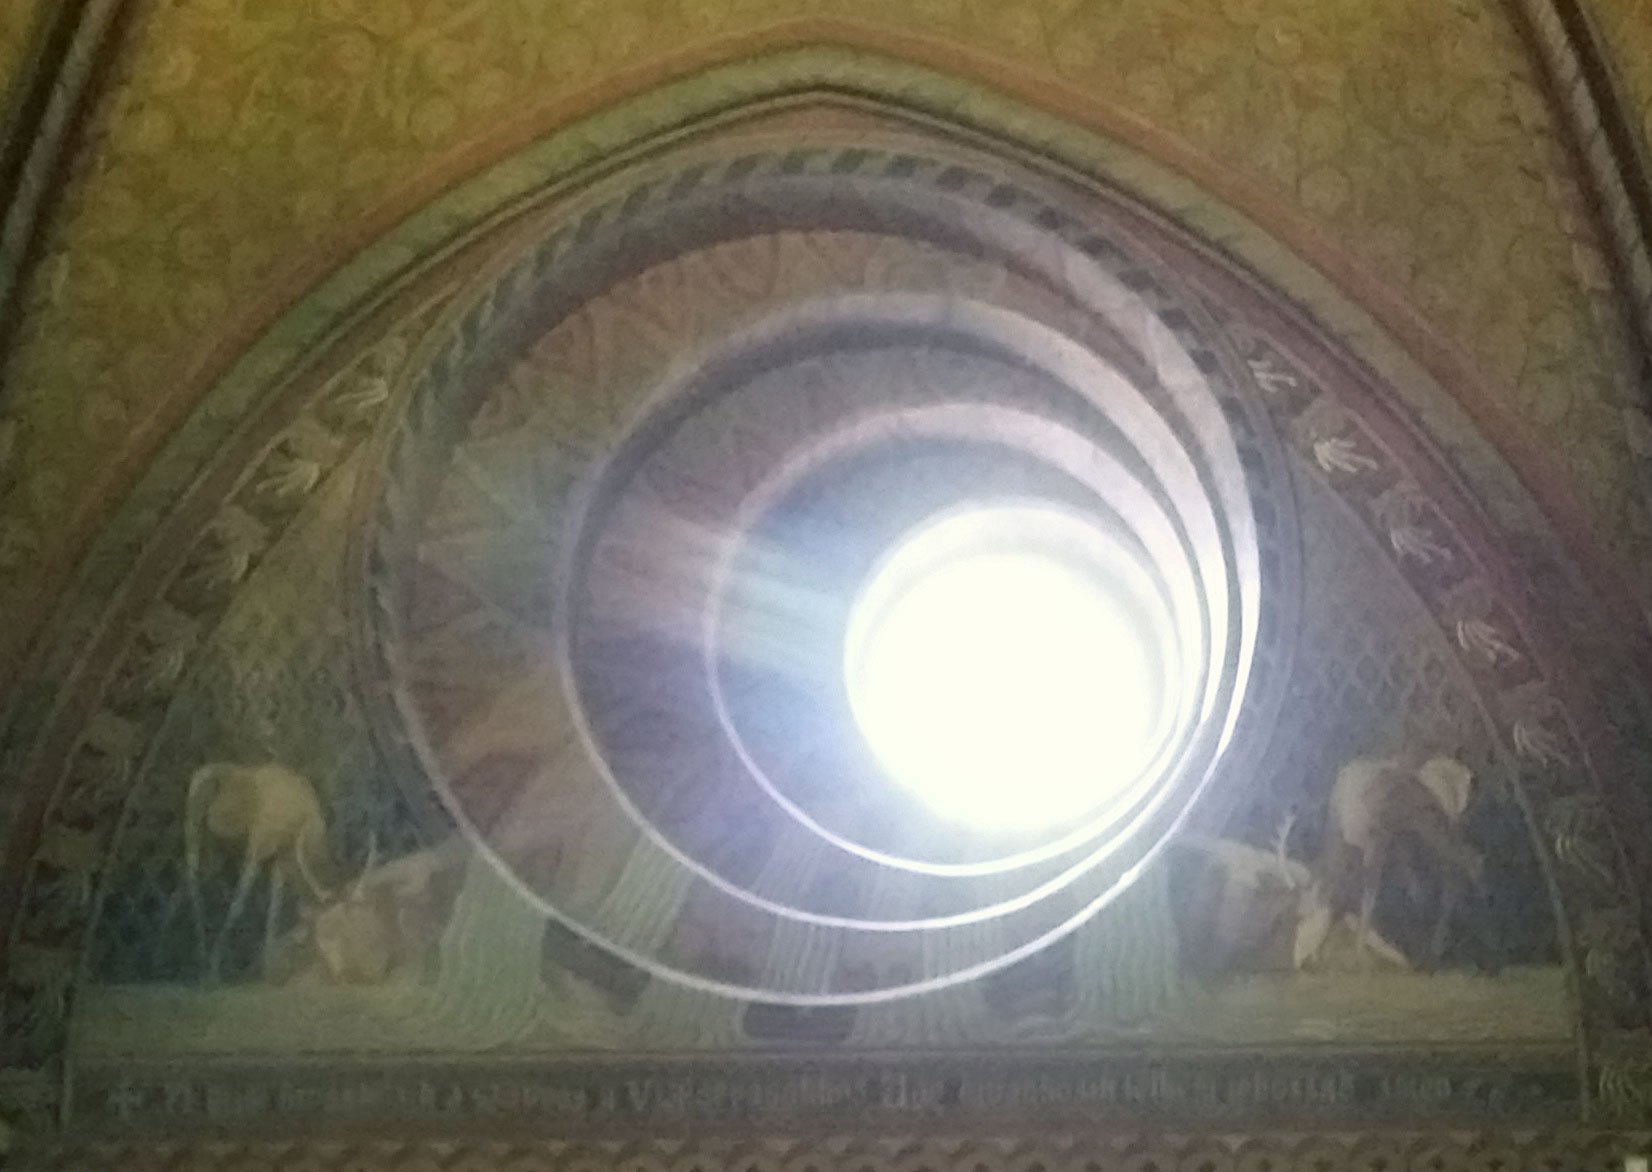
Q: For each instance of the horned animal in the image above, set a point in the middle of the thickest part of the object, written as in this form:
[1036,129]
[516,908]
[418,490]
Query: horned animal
[275,817]
[1248,909]
[1387,812]
[388,918]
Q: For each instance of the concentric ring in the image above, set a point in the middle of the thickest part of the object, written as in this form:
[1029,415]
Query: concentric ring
[640,714]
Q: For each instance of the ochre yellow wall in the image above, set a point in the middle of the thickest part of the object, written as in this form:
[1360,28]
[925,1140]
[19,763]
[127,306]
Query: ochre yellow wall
[1626,27]
[17,19]
[253,144]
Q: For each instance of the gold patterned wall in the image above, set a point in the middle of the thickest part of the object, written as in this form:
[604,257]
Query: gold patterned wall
[16,28]
[249,148]
[1626,27]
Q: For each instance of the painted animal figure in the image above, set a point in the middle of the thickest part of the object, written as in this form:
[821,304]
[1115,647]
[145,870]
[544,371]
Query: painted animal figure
[1246,909]
[1389,817]
[1240,903]
[274,816]
[388,920]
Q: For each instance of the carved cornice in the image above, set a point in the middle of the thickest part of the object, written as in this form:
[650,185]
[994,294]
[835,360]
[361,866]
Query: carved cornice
[1399,1151]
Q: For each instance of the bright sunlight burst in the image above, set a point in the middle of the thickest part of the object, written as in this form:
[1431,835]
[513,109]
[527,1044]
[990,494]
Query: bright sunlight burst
[995,672]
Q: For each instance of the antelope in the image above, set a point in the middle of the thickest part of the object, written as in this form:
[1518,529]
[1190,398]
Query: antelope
[1385,810]
[389,917]
[1258,909]
[347,933]
[275,816]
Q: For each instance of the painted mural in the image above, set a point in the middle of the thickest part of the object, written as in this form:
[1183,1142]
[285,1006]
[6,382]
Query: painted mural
[1370,879]
[489,719]
[448,732]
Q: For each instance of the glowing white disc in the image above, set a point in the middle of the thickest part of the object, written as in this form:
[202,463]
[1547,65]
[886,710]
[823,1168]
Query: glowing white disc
[996,672]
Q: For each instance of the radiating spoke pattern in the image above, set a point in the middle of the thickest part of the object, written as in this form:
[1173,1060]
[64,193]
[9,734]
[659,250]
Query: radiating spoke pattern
[856,628]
